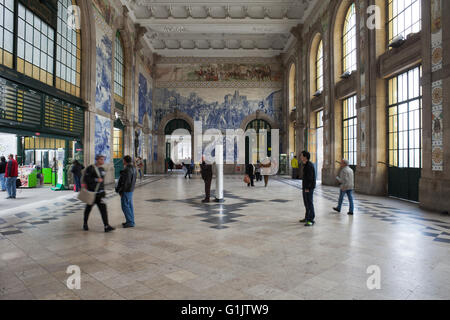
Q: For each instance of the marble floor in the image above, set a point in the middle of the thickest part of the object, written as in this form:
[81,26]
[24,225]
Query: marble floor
[250,247]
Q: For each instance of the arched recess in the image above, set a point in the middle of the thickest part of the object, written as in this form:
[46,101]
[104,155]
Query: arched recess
[128,59]
[316,40]
[292,106]
[292,87]
[162,138]
[335,114]
[259,119]
[337,29]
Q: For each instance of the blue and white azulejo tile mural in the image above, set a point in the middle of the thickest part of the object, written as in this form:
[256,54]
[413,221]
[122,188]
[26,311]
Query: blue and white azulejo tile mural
[219,108]
[103,72]
[145,100]
[102,137]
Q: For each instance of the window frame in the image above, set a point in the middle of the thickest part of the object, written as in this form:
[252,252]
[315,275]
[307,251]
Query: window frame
[389,21]
[319,60]
[395,149]
[119,49]
[354,125]
[345,33]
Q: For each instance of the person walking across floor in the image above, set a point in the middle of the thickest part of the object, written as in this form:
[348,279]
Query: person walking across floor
[266,165]
[171,165]
[309,184]
[250,171]
[294,164]
[187,166]
[346,184]
[125,188]
[258,171]
[140,167]
[76,171]
[207,175]
[94,178]
[2,174]
[11,174]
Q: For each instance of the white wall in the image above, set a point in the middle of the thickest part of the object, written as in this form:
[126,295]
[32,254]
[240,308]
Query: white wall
[8,144]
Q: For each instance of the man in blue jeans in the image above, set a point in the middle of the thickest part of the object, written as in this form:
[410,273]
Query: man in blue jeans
[346,182]
[125,188]
[11,174]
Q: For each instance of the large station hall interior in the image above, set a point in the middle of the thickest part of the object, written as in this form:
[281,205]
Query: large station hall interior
[224,150]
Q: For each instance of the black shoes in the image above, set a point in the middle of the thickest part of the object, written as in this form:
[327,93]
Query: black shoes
[337,210]
[109,228]
[85,227]
[303,220]
[205,201]
[350,213]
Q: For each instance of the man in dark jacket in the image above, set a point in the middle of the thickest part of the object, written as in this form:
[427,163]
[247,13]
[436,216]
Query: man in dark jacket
[207,174]
[309,184]
[77,167]
[11,174]
[94,180]
[125,189]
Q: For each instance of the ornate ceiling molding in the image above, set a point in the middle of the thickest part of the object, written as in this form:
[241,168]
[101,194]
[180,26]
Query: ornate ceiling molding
[214,28]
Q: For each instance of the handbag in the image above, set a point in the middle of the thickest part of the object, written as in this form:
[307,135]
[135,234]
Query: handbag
[87,196]
[247,179]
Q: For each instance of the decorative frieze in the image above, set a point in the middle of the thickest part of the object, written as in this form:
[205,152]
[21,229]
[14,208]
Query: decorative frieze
[437,157]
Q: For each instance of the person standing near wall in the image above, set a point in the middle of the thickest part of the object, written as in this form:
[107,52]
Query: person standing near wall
[346,181]
[76,171]
[125,188]
[2,174]
[207,175]
[309,184]
[94,180]
[294,164]
[11,174]
[250,171]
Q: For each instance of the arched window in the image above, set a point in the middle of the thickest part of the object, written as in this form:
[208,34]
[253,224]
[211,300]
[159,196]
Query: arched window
[68,52]
[119,74]
[405,17]
[319,67]
[292,88]
[349,40]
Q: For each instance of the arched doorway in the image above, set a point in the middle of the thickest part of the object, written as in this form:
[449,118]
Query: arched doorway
[259,125]
[178,147]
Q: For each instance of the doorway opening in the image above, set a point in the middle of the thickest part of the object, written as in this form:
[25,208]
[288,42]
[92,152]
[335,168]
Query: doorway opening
[178,147]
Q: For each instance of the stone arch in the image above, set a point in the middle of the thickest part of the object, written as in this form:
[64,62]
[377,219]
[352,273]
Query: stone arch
[259,116]
[172,116]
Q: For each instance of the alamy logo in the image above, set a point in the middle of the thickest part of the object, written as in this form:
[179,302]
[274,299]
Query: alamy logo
[74,281]
[374,281]
[237,143]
